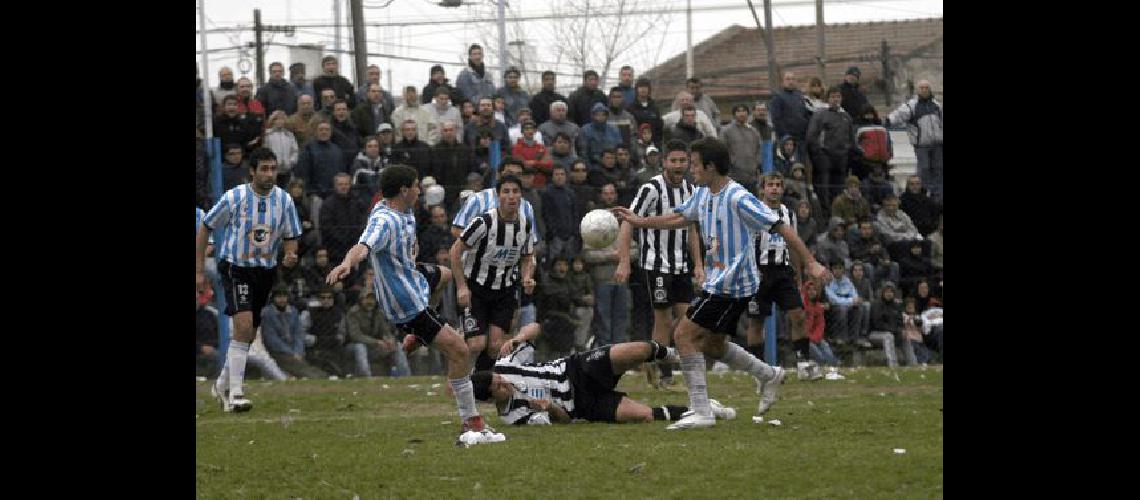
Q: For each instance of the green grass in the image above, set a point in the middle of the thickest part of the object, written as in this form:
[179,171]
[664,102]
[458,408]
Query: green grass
[339,439]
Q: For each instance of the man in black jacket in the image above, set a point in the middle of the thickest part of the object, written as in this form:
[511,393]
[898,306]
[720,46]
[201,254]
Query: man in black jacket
[438,79]
[451,161]
[582,101]
[853,99]
[277,93]
[644,109]
[540,103]
[342,218]
[331,80]
[560,216]
[411,151]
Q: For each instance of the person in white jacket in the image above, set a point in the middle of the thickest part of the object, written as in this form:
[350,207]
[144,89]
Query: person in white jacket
[426,128]
[704,124]
[922,115]
[284,144]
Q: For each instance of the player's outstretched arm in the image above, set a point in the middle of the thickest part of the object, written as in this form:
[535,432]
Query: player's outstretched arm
[667,221]
[811,266]
[355,254]
[557,413]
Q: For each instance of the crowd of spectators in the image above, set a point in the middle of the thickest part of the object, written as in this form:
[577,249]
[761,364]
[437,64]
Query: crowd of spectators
[588,150]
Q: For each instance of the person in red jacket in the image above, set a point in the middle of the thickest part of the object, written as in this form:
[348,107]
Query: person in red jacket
[534,154]
[246,103]
[814,307]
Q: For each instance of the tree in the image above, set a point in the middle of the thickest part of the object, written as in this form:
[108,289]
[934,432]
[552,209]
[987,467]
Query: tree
[594,34]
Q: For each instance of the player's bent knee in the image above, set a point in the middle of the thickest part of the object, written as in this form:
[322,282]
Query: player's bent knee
[450,344]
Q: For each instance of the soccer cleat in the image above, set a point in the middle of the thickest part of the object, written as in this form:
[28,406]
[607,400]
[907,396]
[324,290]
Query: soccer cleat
[833,374]
[485,436]
[473,424]
[692,420]
[411,343]
[770,390]
[722,412]
[236,403]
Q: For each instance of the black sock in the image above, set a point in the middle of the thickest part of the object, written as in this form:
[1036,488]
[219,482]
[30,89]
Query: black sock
[666,369]
[669,412]
[757,350]
[802,348]
[484,362]
[657,351]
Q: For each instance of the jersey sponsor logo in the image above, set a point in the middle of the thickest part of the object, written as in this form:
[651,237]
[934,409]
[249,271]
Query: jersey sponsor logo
[260,234]
[659,295]
[753,307]
[504,256]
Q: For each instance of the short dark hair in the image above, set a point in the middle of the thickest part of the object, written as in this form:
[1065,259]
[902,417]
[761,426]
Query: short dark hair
[276,63]
[558,166]
[771,176]
[588,73]
[507,179]
[623,68]
[834,90]
[395,177]
[232,145]
[712,151]
[563,135]
[676,145]
[511,160]
[473,47]
[740,106]
[259,155]
[643,82]
[548,73]
[612,151]
[510,70]
[339,101]
[694,80]
[481,384]
[230,97]
[617,89]
[326,59]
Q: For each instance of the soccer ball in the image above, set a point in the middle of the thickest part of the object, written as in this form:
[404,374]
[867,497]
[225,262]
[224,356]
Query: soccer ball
[599,229]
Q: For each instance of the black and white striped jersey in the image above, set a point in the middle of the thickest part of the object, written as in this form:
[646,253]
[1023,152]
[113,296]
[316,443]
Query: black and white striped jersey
[547,381]
[496,247]
[773,247]
[663,250]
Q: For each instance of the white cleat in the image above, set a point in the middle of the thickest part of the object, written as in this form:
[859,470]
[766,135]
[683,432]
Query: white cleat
[236,404]
[692,420]
[722,412]
[770,389]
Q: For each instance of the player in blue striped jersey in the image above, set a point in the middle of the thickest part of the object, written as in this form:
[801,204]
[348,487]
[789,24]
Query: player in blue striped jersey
[388,241]
[259,219]
[729,217]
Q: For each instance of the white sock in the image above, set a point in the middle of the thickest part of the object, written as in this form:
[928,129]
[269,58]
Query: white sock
[739,359]
[223,382]
[693,366]
[464,397]
[235,359]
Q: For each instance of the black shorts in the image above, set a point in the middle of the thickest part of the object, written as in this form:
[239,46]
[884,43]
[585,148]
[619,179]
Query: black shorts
[777,285]
[668,289]
[717,313]
[426,325]
[592,376]
[491,307]
[246,288]
[431,274]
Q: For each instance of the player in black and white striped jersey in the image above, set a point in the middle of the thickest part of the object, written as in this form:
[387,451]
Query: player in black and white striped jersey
[779,276]
[668,258]
[495,243]
[580,386]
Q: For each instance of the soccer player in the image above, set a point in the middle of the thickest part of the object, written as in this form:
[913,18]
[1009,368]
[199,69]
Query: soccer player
[580,386]
[388,241]
[483,262]
[669,258]
[259,216]
[779,271]
[729,217]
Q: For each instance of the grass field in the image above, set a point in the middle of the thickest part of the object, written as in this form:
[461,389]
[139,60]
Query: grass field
[387,438]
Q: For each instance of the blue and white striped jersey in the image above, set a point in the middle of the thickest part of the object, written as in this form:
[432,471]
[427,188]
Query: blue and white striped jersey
[391,237]
[198,217]
[729,220]
[484,200]
[255,225]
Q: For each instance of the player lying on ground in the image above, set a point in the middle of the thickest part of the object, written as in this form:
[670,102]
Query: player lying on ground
[579,386]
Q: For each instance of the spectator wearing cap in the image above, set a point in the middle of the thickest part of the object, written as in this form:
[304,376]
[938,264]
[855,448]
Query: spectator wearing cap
[441,109]
[330,79]
[558,124]
[283,337]
[743,143]
[850,204]
[514,96]
[412,110]
[534,154]
[644,140]
[540,102]
[598,135]
[622,119]
[371,112]
[515,131]
[702,100]
[853,99]
[644,110]
[387,135]
[437,79]
[583,101]
[831,246]
[298,81]
[650,168]
[451,161]
[474,81]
